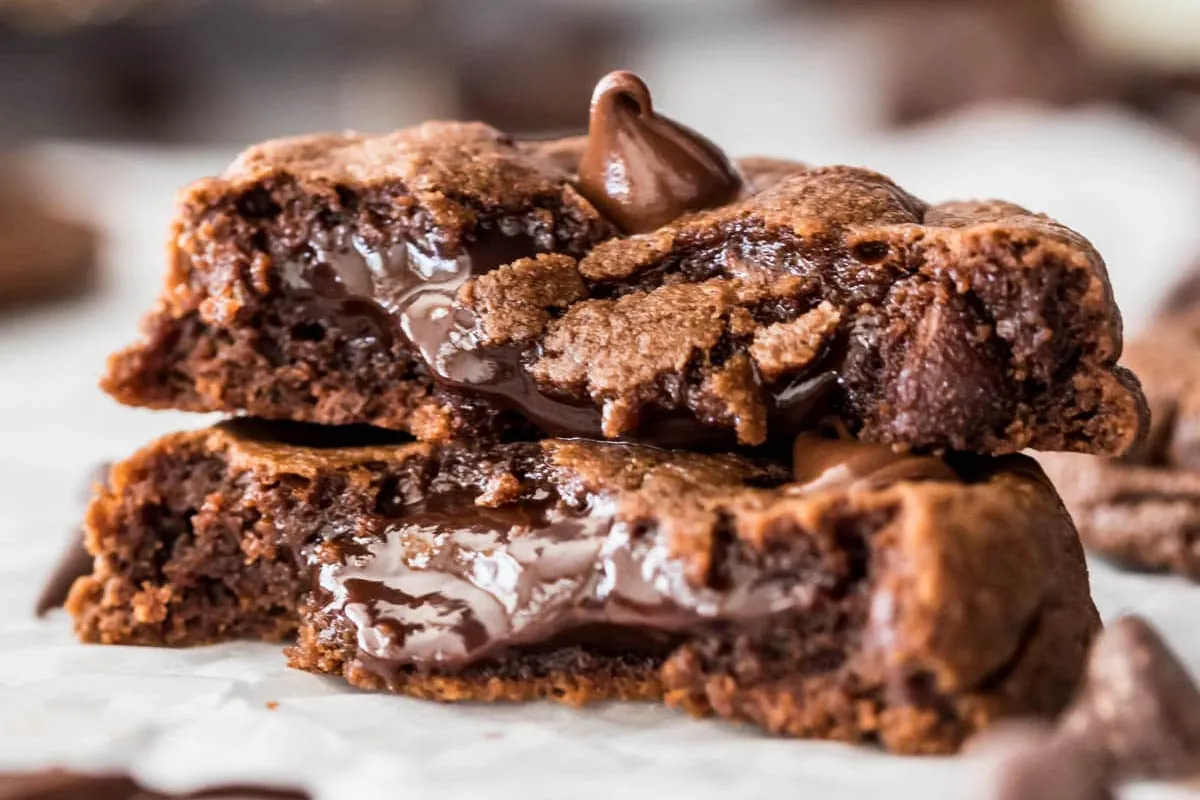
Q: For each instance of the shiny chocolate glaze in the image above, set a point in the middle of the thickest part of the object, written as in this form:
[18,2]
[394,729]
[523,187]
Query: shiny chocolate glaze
[451,588]
[641,169]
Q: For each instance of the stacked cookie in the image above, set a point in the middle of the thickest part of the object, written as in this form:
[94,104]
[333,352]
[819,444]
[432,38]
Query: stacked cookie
[617,417]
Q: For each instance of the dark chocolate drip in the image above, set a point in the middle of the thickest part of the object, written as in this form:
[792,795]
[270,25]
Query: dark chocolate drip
[642,169]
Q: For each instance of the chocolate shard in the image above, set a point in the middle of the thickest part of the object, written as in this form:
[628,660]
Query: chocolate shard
[1139,707]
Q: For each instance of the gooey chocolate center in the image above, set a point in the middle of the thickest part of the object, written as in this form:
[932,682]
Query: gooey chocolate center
[448,583]
[408,290]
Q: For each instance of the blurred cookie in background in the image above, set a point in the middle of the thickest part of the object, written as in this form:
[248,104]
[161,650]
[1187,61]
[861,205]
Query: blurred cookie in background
[939,56]
[43,255]
[1143,511]
[936,57]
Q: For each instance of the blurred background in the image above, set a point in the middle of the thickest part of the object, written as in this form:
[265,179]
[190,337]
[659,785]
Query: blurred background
[233,71]
[1086,109]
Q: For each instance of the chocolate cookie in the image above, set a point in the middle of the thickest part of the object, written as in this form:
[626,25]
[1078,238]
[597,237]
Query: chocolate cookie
[1143,511]
[43,255]
[448,281]
[861,595]
[61,784]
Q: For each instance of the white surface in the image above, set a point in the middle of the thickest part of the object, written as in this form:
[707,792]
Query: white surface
[186,717]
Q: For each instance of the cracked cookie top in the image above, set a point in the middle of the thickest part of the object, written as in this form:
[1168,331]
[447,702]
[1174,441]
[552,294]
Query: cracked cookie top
[631,284]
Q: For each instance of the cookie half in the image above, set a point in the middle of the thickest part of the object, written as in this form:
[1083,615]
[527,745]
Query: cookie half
[872,597]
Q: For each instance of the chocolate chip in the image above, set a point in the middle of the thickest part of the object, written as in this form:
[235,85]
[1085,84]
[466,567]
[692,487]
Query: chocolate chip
[1029,762]
[870,252]
[257,203]
[1138,707]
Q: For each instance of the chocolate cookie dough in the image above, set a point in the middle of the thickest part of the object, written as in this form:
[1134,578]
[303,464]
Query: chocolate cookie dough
[1143,511]
[861,595]
[450,282]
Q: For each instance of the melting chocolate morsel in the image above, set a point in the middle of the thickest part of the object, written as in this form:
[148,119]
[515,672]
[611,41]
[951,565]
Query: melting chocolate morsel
[1139,707]
[404,290]
[409,291]
[820,462]
[643,170]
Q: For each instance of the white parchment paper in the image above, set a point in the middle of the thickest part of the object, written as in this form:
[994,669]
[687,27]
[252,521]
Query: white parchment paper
[182,718]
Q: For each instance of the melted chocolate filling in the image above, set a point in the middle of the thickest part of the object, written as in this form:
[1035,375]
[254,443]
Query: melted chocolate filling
[407,291]
[446,583]
[643,170]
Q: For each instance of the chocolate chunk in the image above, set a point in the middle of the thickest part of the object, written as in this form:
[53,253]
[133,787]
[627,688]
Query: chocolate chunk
[1139,707]
[581,570]
[643,170]
[950,365]
[1028,761]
